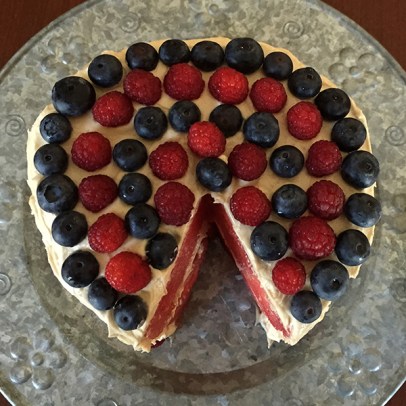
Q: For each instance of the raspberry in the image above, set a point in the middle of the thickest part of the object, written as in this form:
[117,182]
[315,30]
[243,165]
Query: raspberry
[250,206]
[268,95]
[183,82]
[142,87]
[107,233]
[174,203]
[311,238]
[205,139]
[113,109]
[169,161]
[97,192]
[325,199]
[289,276]
[247,161]
[91,151]
[304,120]
[324,158]
[228,85]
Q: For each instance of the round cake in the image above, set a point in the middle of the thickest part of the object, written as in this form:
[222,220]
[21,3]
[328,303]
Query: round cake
[144,151]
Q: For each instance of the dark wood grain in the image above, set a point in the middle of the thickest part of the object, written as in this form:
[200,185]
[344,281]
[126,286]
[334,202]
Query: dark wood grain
[384,20]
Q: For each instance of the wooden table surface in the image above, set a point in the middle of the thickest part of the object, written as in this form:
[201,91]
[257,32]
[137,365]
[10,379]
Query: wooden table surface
[384,20]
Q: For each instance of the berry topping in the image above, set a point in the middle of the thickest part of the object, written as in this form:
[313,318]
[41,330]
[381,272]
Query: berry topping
[142,56]
[161,250]
[205,139]
[349,134]
[250,206]
[105,70]
[80,269]
[244,55]
[305,306]
[101,295]
[277,65]
[289,201]
[55,128]
[113,109]
[352,247]
[142,87]
[333,104]
[150,123]
[289,276]
[329,280]
[269,241]
[213,174]
[107,233]
[91,151]
[311,238]
[247,161]
[169,161]
[324,158]
[228,85]
[174,51]
[261,129]
[130,155]
[73,96]
[268,94]
[130,312]
[207,55]
[57,193]
[363,210]
[227,118]
[183,114]
[326,199]
[304,83]
[142,221]
[360,169]
[174,203]
[304,120]
[50,159]
[97,192]
[286,161]
[134,188]
[69,228]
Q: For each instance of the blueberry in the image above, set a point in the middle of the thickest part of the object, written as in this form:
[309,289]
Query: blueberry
[363,210]
[161,250]
[130,155]
[57,193]
[142,56]
[352,247]
[101,295]
[134,188]
[286,161]
[50,159]
[304,83]
[227,118]
[213,174]
[55,128]
[349,134]
[329,280]
[289,201]
[269,241]
[278,65]
[69,228]
[150,123]
[174,51]
[183,114]
[80,269]
[207,55]
[142,221]
[244,55]
[262,129]
[105,70]
[360,169]
[73,96]
[130,312]
[333,104]
[305,306]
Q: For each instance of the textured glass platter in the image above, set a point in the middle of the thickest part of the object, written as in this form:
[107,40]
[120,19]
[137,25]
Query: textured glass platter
[53,351]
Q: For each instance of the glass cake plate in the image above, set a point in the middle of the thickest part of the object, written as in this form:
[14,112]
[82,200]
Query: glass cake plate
[54,351]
